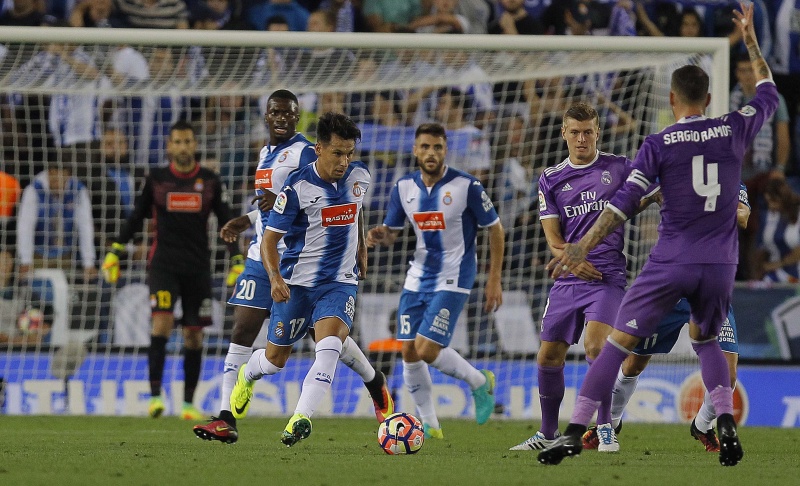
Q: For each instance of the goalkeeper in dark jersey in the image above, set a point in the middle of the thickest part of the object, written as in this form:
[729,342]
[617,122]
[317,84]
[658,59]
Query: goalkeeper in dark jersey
[179,198]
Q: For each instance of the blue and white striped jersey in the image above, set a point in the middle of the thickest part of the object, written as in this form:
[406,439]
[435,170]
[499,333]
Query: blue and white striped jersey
[446,218]
[320,222]
[275,163]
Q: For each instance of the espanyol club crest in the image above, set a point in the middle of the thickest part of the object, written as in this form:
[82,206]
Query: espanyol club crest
[447,199]
[198,185]
[605,177]
[357,190]
[279,329]
[283,156]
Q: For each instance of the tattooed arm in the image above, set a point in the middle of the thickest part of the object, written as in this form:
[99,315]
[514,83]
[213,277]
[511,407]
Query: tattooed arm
[744,21]
[575,254]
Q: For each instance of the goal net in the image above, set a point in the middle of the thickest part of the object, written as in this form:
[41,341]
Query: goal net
[92,108]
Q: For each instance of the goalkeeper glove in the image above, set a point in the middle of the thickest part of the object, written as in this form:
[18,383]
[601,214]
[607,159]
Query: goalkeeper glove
[237,267]
[111,263]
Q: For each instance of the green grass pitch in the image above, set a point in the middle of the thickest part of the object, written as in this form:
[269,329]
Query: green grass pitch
[143,451]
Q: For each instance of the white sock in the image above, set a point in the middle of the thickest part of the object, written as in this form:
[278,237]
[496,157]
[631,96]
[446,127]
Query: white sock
[623,391]
[354,358]
[319,378]
[258,365]
[453,364]
[706,415]
[236,357]
[418,382]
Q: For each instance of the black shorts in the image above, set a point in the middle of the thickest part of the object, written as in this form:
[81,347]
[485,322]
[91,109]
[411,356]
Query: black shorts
[193,289]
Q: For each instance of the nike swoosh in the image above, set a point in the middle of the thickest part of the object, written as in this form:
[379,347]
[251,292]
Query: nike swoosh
[222,429]
[241,410]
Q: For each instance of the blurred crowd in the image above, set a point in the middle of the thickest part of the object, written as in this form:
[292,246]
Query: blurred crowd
[73,163]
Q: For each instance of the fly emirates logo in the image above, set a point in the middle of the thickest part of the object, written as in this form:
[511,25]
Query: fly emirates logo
[430,221]
[588,204]
[341,215]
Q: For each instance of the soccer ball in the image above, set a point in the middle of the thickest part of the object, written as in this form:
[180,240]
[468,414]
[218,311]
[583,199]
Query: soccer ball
[30,321]
[401,433]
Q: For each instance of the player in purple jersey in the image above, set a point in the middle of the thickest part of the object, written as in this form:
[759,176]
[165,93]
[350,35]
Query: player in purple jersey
[662,342]
[697,162]
[314,283]
[447,207]
[572,195]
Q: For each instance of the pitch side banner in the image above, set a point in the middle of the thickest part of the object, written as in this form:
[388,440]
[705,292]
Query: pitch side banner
[102,385]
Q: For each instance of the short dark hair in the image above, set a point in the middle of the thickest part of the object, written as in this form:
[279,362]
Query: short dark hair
[581,112]
[283,94]
[181,125]
[434,129]
[338,124]
[690,83]
[275,20]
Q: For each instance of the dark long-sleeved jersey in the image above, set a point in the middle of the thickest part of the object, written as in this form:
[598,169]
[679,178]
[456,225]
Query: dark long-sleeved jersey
[180,205]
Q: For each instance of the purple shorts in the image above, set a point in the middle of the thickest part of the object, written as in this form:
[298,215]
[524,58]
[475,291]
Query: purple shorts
[707,287]
[570,307]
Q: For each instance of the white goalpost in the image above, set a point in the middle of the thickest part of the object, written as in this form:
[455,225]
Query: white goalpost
[95,103]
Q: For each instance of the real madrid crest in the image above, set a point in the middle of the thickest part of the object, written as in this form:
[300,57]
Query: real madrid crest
[357,190]
[605,177]
[447,199]
[198,185]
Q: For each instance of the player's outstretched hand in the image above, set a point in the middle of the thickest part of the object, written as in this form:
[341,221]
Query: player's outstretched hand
[572,256]
[744,19]
[232,229]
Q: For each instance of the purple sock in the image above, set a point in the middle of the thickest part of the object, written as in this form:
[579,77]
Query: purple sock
[716,377]
[551,394]
[598,383]
[604,411]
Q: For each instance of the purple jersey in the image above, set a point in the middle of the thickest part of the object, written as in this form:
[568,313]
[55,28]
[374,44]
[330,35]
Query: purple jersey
[576,195]
[698,163]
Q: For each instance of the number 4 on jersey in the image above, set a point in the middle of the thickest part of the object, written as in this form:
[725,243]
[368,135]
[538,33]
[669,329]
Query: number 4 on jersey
[705,181]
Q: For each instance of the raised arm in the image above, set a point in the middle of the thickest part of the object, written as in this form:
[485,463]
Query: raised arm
[744,22]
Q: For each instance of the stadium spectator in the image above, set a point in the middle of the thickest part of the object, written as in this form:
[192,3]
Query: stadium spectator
[391,15]
[680,264]
[92,13]
[515,20]
[441,19]
[451,109]
[24,13]
[349,14]
[296,16]
[179,198]
[55,227]
[785,63]
[479,14]
[690,24]
[511,180]
[765,159]
[452,205]
[779,238]
[151,14]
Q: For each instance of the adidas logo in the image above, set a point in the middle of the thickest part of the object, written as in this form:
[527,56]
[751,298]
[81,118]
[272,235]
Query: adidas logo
[632,324]
[566,187]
